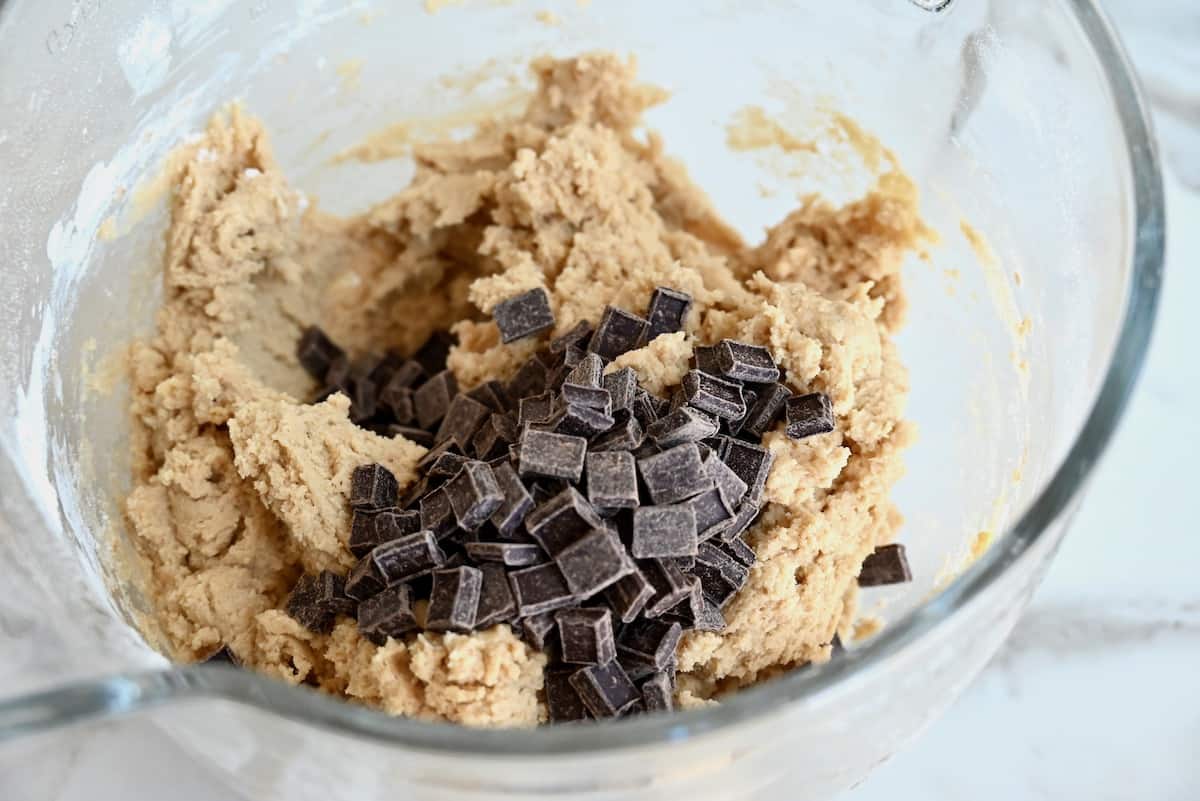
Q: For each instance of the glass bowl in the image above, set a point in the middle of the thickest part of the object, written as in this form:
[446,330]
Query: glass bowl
[1019,119]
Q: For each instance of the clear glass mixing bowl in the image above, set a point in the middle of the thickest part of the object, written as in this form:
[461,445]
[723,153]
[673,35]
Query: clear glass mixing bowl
[1019,116]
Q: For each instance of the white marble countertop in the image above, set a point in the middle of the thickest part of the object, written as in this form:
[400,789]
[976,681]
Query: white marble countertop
[1095,694]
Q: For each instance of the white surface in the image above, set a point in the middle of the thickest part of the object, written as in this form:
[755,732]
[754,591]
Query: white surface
[1095,696]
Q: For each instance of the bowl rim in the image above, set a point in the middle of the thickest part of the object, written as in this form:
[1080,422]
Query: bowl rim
[126,693]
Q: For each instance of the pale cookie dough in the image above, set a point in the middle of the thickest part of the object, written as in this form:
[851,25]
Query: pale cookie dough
[240,486]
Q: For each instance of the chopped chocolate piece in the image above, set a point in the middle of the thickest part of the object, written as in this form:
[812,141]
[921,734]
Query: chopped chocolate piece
[373,486]
[362,532]
[517,500]
[364,397]
[593,562]
[492,395]
[668,311]
[437,514]
[677,401]
[496,602]
[628,596]
[562,702]
[364,580]
[474,495]
[647,448]
[744,362]
[623,436]
[591,397]
[657,693]
[538,589]
[434,455]
[407,374]
[687,611]
[454,600]
[739,550]
[337,377]
[535,409]
[316,352]
[639,671]
[645,410]
[808,415]
[734,427]
[887,565]
[544,453]
[752,463]
[432,355]
[523,315]
[612,480]
[669,583]
[582,421]
[586,373]
[530,379]
[720,574]
[621,386]
[586,636]
[227,656]
[316,601]
[731,485]
[711,618]
[512,554]
[619,331]
[410,556]
[746,515]
[706,359]
[605,689]
[432,399]
[463,419]
[714,395]
[572,356]
[711,512]
[578,336]
[417,435]
[398,400]
[388,613]
[684,424]
[674,474]
[379,527]
[540,631]
[651,642]
[448,463]
[661,531]
[683,562]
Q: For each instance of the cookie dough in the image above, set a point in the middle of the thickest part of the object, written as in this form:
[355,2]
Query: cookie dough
[240,485]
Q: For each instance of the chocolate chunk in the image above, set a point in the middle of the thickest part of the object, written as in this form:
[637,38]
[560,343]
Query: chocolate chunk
[540,631]
[605,690]
[752,463]
[373,486]
[538,589]
[591,397]
[664,531]
[432,355]
[706,359]
[370,528]
[408,557]
[669,583]
[462,419]
[389,613]
[398,401]
[651,642]
[674,474]
[629,595]
[523,315]
[711,618]
[684,424]
[668,311]
[746,515]
[544,453]
[362,532]
[621,386]
[448,463]
[619,331]
[572,356]
[437,514]
[474,495]
[645,411]
[529,380]
[711,512]
[516,504]
[657,693]
[582,421]
[316,352]
[454,601]
[731,485]
[492,395]
[593,562]
[744,362]
[579,335]
[316,601]
[623,436]
[407,374]
[337,377]
[612,480]
[586,374]
[432,399]
[647,448]
[416,435]
[720,574]
[535,409]
[714,395]
[887,565]
[364,402]
[739,550]
[687,611]
[496,602]
[586,636]
[512,554]
[808,415]
[734,427]
[224,655]
[364,580]
[562,702]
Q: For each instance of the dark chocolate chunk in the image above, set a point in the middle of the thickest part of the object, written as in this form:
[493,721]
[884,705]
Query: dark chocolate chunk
[388,613]
[657,693]
[605,690]
[887,565]
[535,409]
[407,374]
[684,424]
[417,435]
[669,583]
[512,554]
[752,463]
[364,580]
[586,374]
[572,356]
[408,557]
[432,355]
[734,427]
[593,562]
[706,359]
[582,421]
[437,514]
[516,504]
[590,397]
[540,631]
[711,618]
[720,574]
[578,335]
[362,532]
[808,415]
[746,515]
[714,395]
[687,611]
[225,655]
[523,315]
[364,401]
[496,602]
[316,352]
[662,531]
[474,495]
[369,528]
[529,380]
[432,399]
[316,601]
[739,550]
[398,401]
[448,463]
[674,474]
[562,702]
[668,311]
[621,386]
[711,512]
[538,589]
[743,362]
[373,486]
[544,453]
[586,636]
[731,485]
[612,480]
[651,642]
[623,436]
[645,410]
[618,332]
[629,595]
[492,395]
[462,419]
[454,601]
